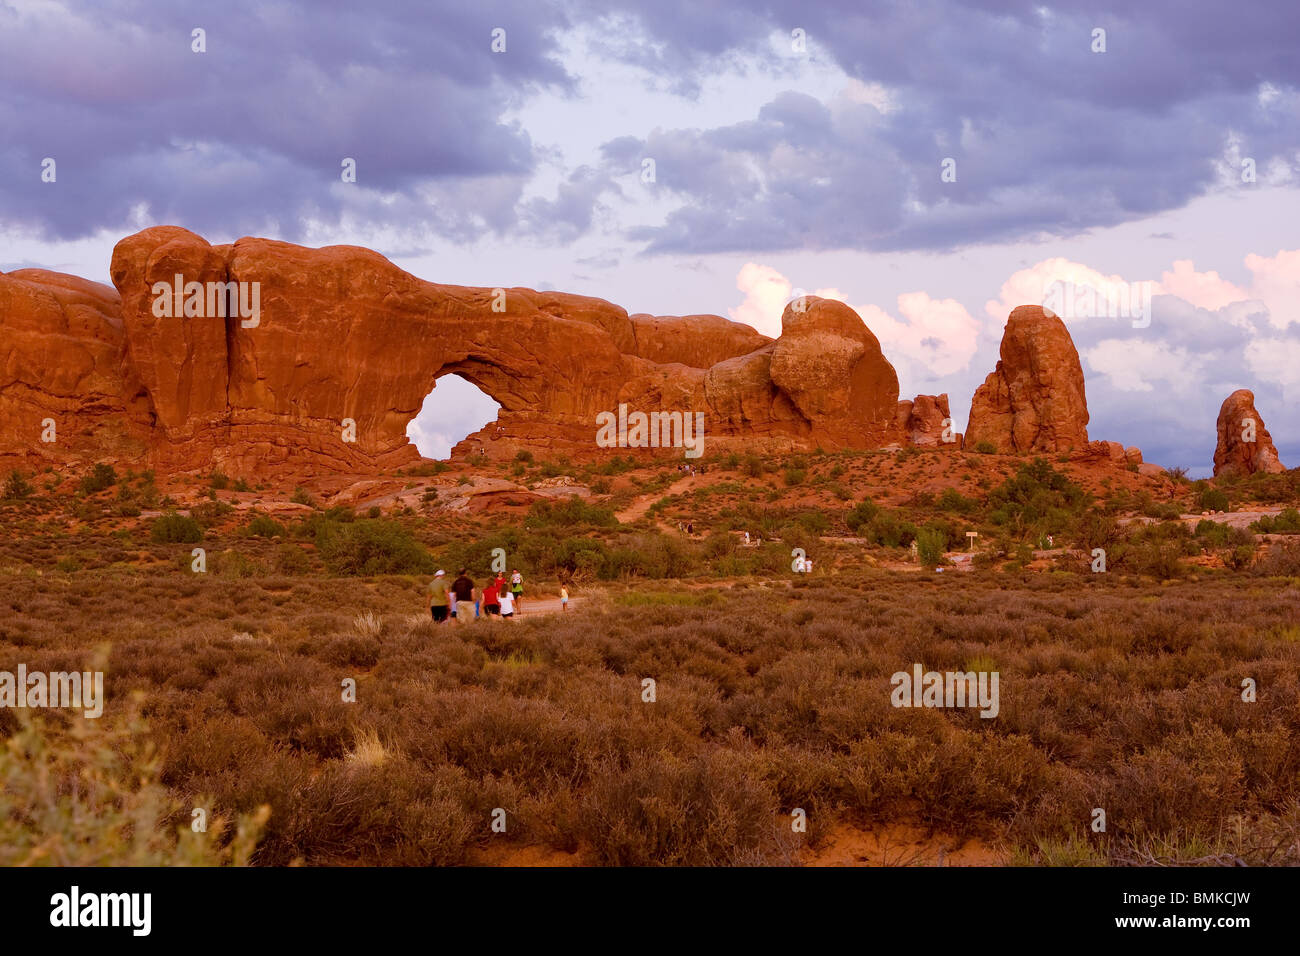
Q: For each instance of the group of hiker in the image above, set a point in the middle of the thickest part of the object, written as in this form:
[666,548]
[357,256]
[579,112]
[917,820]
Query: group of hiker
[452,600]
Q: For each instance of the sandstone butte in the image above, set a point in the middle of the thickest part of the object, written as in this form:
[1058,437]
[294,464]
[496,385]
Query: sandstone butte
[1033,401]
[1244,446]
[347,346]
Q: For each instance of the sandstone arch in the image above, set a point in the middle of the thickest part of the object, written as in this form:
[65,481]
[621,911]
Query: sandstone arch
[342,335]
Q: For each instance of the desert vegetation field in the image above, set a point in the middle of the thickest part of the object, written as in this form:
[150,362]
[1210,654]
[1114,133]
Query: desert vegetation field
[228,689]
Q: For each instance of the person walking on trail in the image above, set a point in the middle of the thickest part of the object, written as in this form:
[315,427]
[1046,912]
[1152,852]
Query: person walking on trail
[439,597]
[564,597]
[507,605]
[462,590]
[517,589]
[491,600]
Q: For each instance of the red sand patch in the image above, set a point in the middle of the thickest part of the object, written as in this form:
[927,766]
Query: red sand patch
[899,844]
[507,854]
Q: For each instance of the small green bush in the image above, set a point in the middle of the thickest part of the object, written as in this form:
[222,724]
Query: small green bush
[373,546]
[16,486]
[101,476]
[264,527]
[173,528]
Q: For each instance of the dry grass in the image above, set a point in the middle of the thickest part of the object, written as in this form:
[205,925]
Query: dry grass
[769,697]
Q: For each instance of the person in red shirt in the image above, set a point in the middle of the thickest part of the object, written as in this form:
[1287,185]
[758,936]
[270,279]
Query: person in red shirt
[491,603]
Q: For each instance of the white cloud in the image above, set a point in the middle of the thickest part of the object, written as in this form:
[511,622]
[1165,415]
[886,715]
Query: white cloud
[1144,365]
[1206,290]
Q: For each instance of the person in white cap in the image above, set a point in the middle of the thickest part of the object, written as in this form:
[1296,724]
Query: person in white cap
[439,597]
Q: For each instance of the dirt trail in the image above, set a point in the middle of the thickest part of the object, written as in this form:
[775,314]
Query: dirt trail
[641,504]
[534,606]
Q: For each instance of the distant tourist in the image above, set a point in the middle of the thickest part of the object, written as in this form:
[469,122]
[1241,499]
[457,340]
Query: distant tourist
[807,565]
[747,539]
[564,597]
[462,590]
[517,589]
[507,604]
[439,597]
[491,599]
[690,527]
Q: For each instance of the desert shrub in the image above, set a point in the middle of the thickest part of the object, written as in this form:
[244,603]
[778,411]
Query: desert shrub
[569,513]
[1240,557]
[1212,533]
[1158,558]
[173,528]
[985,448]
[795,476]
[1097,529]
[262,526]
[1212,499]
[291,559]
[302,497]
[209,513]
[713,808]
[1286,521]
[234,564]
[953,501]
[373,546]
[889,529]
[861,515]
[16,486]
[1281,560]
[930,544]
[94,798]
[524,456]
[218,480]
[102,476]
[719,544]
[1037,499]
[814,522]
[650,556]
[753,466]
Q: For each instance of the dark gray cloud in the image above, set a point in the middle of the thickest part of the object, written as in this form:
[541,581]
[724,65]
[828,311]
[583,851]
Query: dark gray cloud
[249,136]
[1049,137]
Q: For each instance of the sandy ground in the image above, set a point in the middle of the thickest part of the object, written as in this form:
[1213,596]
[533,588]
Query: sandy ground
[537,606]
[896,844]
[899,844]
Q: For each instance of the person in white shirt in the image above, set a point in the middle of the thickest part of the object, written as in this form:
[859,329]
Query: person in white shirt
[507,604]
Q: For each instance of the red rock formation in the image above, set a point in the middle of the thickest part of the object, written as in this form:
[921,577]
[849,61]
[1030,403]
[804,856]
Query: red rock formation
[829,365]
[344,347]
[927,423]
[1033,401]
[699,341]
[1244,445]
[63,373]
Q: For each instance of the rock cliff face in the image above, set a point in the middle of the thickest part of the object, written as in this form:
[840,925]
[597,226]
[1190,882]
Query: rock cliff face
[66,389]
[1033,401]
[265,356]
[1244,445]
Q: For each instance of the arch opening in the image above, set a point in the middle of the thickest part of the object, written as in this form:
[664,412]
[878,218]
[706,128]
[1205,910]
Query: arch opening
[455,409]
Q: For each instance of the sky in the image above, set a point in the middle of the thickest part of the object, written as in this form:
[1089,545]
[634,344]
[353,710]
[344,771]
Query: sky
[933,164]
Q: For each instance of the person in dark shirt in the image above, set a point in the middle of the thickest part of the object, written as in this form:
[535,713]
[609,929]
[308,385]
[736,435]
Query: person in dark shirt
[463,588]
